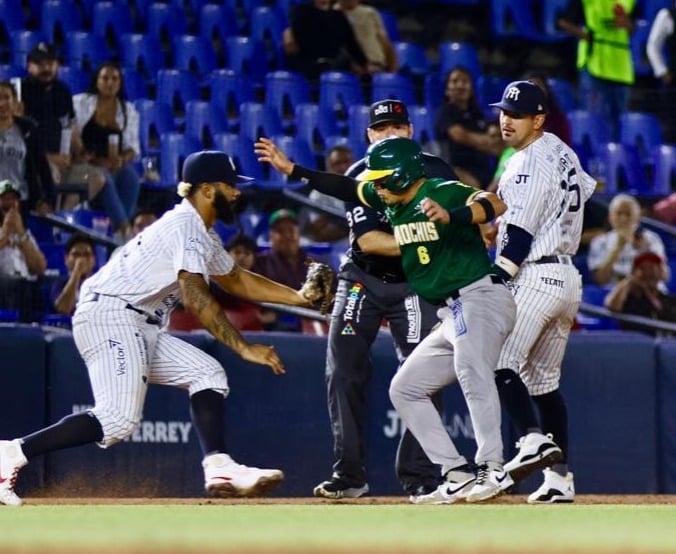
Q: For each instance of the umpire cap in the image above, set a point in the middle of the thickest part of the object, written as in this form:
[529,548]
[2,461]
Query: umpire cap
[388,110]
[523,97]
[212,166]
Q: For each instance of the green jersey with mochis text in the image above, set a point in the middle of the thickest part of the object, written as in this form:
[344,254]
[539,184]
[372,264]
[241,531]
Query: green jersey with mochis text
[437,258]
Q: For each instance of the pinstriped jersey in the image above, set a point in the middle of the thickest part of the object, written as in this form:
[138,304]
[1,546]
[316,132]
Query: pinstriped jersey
[437,258]
[545,188]
[145,272]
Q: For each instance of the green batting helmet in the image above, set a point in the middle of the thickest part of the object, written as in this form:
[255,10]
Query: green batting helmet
[398,161]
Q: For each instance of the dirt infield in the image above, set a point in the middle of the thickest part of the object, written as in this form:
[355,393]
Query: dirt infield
[611,499]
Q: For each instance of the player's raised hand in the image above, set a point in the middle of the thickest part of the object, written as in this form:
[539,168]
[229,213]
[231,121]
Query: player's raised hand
[267,151]
[435,211]
[264,355]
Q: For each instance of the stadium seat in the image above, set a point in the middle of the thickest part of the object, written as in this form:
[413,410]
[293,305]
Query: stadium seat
[338,90]
[203,121]
[391,25]
[412,59]
[423,124]
[638,43]
[564,92]
[623,170]
[10,71]
[664,173]
[194,54]
[155,119]
[133,84]
[642,130]
[514,19]
[229,89]
[551,12]
[110,20]
[22,41]
[259,120]
[76,79]
[86,50]
[357,122]
[142,53]
[454,54]
[588,130]
[217,22]
[241,150]
[267,27]
[489,89]
[175,147]
[314,126]
[247,55]
[175,88]
[59,18]
[11,17]
[393,85]
[433,91]
[164,22]
[284,90]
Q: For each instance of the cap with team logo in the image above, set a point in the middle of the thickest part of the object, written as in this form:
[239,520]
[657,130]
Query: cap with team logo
[42,52]
[523,97]
[9,186]
[282,214]
[212,166]
[388,111]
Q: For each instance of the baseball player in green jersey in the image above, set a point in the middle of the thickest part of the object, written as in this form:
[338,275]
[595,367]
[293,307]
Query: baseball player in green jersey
[435,224]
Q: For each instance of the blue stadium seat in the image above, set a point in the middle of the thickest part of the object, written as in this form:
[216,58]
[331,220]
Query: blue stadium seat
[10,71]
[86,50]
[551,12]
[175,88]
[642,130]
[314,126]
[338,90]
[203,121]
[433,91]
[164,22]
[638,42]
[267,27]
[284,90]
[423,124]
[11,17]
[564,92]
[59,18]
[623,170]
[241,150]
[247,55]
[217,22]
[75,77]
[110,20]
[588,130]
[454,54]
[357,122]
[194,54]
[229,89]
[393,85]
[175,147]
[22,41]
[664,172]
[412,59]
[133,84]
[142,53]
[391,25]
[489,89]
[155,119]
[651,7]
[259,120]
[514,19]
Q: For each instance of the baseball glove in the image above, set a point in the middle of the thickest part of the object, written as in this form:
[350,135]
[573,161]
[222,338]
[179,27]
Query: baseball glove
[318,286]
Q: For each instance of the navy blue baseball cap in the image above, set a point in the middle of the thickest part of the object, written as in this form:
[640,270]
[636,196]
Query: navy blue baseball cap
[523,97]
[212,166]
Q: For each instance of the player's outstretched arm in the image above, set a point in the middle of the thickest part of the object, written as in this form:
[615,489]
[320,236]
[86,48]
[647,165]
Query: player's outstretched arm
[338,186]
[257,288]
[200,302]
[482,208]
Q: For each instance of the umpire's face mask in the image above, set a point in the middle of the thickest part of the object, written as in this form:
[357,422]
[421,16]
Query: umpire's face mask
[224,208]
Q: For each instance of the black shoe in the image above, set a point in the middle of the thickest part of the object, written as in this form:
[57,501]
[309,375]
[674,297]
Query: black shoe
[336,488]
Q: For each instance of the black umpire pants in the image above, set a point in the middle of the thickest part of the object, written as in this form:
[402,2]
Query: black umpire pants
[362,302]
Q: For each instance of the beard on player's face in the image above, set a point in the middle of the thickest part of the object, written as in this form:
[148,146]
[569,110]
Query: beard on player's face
[225,210]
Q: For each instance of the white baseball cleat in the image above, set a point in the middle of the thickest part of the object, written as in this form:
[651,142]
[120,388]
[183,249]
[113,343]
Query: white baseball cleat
[12,460]
[457,483]
[491,481]
[225,478]
[555,489]
[536,451]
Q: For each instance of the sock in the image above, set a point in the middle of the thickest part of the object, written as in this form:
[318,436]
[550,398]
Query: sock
[554,417]
[207,412]
[515,399]
[72,430]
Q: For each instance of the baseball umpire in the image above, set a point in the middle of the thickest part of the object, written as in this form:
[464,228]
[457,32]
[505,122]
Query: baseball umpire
[545,189]
[119,332]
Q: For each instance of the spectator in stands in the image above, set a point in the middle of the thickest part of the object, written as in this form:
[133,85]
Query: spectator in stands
[109,126]
[371,35]
[317,226]
[661,33]
[22,262]
[22,157]
[49,102]
[80,261]
[639,294]
[285,262]
[606,70]
[321,39]
[611,254]
[469,141]
[141,220]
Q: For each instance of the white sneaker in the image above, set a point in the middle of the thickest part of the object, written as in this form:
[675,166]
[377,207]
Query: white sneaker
[12,460]
[491,481]
[223,477]
[555,489]
[456,485]
[536,451]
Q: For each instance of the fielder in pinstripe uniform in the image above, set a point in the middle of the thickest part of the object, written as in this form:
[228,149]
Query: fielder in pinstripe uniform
[118,328]
[545,188]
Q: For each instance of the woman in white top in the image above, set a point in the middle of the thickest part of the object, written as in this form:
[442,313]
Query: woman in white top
[109,127]
[612,254]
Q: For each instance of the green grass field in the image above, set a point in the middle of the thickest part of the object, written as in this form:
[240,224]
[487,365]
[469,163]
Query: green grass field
[338,528]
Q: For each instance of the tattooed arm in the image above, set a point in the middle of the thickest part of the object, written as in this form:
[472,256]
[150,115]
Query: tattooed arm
[200,302]
[255,287]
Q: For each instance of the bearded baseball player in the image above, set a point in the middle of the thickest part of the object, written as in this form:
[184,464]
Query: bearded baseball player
[435,224]
[118,328]
[545,188]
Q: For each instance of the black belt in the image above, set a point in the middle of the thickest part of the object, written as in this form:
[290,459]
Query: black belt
[383,276]
[554,260]
[150,319]
[455,294]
